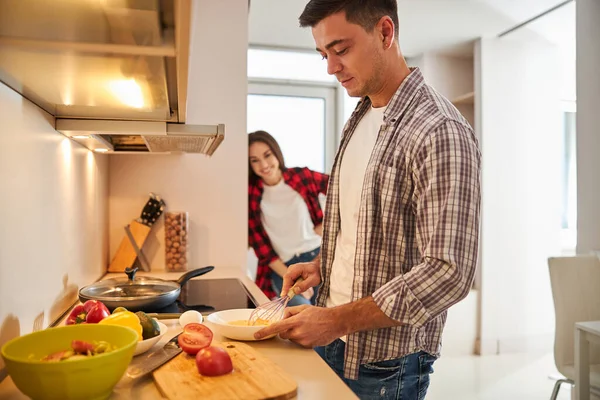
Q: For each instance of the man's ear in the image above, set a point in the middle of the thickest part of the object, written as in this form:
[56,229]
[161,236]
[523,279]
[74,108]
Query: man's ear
[386,28]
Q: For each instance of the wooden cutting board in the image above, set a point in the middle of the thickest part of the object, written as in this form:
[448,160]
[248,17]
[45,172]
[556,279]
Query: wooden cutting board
[254,376]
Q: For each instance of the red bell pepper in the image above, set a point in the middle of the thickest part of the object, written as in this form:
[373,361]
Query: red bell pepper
[91,312]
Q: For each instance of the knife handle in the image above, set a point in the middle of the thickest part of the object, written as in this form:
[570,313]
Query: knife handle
[164,315]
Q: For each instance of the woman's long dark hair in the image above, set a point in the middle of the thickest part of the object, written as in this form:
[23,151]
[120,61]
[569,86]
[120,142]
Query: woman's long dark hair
[266,138]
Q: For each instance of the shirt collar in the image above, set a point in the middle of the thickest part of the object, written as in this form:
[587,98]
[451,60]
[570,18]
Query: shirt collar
[401,98]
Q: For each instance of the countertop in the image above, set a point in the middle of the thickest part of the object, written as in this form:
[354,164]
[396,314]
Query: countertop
[314,377]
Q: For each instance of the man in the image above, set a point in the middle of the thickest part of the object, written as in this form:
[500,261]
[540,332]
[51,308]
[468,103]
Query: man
[402,216]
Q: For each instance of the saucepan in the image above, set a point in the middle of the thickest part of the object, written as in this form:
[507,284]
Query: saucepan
[138,293]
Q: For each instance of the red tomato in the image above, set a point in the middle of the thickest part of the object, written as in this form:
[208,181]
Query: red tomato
[213,361]
[194,338]
[79,346]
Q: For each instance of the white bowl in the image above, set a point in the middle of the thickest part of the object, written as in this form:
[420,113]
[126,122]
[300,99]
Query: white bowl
[147,344]
[221,323]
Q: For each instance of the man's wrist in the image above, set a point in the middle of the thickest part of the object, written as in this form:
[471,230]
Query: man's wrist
[341,319]
[360,315]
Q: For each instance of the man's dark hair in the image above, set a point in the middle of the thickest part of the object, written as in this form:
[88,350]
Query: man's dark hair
[365,13]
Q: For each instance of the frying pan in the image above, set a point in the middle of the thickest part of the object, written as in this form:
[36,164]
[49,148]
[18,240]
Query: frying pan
[138,293]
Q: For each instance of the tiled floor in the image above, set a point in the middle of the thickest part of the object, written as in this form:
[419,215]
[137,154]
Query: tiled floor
[502,377]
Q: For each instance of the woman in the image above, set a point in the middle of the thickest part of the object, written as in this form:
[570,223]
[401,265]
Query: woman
[284,216]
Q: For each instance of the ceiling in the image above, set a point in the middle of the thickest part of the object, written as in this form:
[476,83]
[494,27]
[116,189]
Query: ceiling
[448,26]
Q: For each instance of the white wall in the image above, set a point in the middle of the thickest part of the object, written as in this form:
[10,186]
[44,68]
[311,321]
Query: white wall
[451,76]
[53,210]
[213,190]
[521,137]
[588,123]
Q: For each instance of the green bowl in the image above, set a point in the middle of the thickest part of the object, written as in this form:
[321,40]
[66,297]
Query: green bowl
[91,378]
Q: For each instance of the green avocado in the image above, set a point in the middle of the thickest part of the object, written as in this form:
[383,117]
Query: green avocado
[150,327]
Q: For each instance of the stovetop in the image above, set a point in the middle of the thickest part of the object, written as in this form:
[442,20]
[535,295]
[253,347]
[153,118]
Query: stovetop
[210,295]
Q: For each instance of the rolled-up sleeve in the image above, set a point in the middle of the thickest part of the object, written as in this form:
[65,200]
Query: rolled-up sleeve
[446,202]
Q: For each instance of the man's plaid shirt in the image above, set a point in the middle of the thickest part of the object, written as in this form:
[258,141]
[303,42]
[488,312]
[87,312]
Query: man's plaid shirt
[418,222]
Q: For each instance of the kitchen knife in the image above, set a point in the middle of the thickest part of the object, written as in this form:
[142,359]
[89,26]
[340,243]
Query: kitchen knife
[200,308]
[152,210]
[148,362]
[164,315]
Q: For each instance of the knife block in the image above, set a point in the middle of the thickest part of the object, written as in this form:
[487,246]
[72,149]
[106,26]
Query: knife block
[125,256]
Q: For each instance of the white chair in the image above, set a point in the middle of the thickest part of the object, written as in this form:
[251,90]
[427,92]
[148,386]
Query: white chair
[576,292]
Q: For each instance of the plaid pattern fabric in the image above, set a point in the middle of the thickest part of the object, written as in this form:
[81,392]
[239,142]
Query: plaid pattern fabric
[418,223]
[308,184]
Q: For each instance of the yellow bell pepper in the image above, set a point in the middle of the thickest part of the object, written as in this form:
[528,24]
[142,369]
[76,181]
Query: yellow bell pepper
[124,318]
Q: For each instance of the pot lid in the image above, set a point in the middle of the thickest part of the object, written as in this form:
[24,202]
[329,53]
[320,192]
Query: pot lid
[137,288]
[134,288]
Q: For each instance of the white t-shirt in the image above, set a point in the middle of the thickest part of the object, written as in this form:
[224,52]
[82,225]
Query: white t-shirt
[352,172]
[287,221]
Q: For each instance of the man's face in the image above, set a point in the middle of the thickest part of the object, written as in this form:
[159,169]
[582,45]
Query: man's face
[353,55]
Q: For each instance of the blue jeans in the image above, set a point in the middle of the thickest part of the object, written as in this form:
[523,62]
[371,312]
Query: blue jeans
[405,378]
[277,281]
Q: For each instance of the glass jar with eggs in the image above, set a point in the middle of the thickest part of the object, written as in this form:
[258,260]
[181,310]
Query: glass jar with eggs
[177,253]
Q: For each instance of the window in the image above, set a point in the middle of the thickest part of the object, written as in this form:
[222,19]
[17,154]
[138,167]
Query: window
[301,119]
[291,96]
[294,65]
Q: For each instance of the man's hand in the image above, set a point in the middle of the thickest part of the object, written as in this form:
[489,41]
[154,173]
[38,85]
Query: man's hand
[310,272]
[308,326]
[312,326]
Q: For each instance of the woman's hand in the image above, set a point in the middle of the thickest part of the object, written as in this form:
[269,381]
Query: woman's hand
[278,267]
[319,229]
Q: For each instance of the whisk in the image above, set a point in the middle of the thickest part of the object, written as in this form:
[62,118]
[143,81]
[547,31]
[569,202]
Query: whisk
[272,311]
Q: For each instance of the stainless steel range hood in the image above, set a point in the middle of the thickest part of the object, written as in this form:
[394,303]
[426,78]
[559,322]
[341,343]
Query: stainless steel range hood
[134,137]
[106,61]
